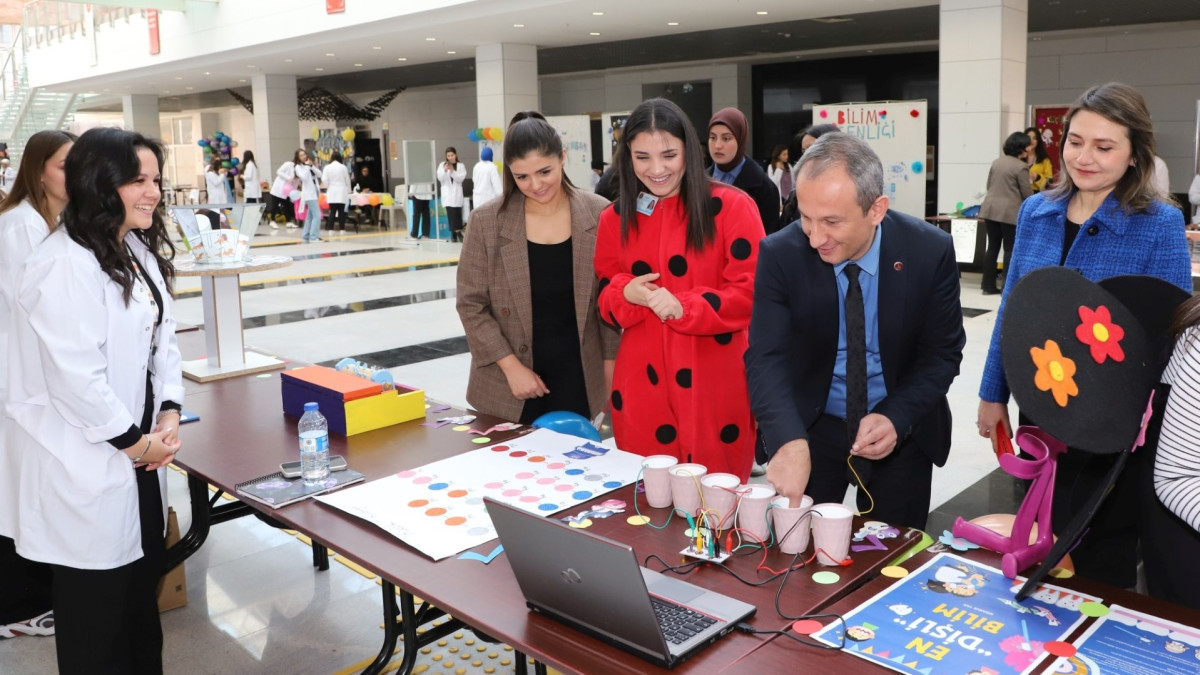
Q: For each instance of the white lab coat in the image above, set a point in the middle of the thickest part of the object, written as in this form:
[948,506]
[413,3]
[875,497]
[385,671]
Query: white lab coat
[452,193]
[308,175]
[218,189]
[337,183]
[78,378]
[253,189]
[286,175]
[486,179]
[8,176]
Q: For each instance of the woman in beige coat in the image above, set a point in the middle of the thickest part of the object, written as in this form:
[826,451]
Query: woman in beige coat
[527,288]
[1008,185]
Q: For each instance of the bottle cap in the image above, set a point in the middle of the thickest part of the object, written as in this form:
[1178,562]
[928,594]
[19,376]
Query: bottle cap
[310,406]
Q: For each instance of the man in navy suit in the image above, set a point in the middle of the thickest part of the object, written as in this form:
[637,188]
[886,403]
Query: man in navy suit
[856,336]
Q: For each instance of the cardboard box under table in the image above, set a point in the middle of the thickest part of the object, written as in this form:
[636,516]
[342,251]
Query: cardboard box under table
[351,404]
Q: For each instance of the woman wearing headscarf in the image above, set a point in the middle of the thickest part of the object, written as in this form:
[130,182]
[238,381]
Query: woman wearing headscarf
[728,139]
[486,180]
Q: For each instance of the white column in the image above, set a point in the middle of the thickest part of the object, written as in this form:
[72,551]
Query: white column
[141,114]
[506,82]
[276,121]
[981,92]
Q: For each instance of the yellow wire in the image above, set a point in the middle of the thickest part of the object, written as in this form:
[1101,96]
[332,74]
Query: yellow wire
[862,487]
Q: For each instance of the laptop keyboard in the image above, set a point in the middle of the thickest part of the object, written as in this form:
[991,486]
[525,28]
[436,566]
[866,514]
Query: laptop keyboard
[679,624]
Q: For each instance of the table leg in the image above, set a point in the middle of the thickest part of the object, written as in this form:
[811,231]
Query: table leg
[223,321]
[409,619]
[320,556]
[198,530]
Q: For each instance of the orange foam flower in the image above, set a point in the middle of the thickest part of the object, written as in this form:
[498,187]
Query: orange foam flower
[1097,331]
[1055,372]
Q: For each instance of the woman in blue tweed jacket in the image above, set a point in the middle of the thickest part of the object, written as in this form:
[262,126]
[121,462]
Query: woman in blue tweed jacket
[1104,218]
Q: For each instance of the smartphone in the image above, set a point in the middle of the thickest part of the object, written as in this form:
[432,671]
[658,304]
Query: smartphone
[292,469]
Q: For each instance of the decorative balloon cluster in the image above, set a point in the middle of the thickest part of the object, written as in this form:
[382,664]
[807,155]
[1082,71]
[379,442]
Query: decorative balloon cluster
[486,134]
[222,146]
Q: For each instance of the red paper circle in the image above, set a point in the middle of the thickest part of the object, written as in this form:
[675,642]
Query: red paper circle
[806,626]
[915,113]
[1056,648]
[824,114]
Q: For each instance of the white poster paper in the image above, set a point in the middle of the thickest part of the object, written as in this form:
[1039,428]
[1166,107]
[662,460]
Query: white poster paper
[576,132]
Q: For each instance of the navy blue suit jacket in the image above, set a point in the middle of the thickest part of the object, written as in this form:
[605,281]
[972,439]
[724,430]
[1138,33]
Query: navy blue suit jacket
[794,333]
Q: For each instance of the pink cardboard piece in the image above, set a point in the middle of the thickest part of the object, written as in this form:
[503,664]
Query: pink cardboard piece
[792,526]
[657,481]
[685,487]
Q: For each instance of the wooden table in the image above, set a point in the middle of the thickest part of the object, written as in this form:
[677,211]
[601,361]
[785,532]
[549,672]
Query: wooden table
[221,290]
[243,434]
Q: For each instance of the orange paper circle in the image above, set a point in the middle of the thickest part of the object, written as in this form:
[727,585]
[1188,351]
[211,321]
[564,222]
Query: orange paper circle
[418,503]
[456,493]
[456,520]
[435,511]
[1057,648]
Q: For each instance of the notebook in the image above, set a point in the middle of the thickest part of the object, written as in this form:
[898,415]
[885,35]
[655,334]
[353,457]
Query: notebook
[595,585]
[276,491]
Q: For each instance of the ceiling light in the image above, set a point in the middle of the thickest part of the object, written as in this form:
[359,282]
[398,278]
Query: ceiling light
[329,54]
[251,66]
[431,39]
[451,52]
[287,60]
[178,78]
[594,34]
[597,13]
[358,65]
[376,48]
[518,25]
[188,88]
[402,58]
[241,80]
[672,23]
[320,70]
[207,73]
[761,13]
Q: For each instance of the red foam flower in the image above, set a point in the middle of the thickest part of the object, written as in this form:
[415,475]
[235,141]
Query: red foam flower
[1097,330]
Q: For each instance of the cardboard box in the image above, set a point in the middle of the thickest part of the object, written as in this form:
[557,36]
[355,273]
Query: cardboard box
[351,404]
[172,589]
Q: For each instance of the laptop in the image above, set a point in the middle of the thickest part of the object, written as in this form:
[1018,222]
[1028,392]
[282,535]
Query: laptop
[596,585]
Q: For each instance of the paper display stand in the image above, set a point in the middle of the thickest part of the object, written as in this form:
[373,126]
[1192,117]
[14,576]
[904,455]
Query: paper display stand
[420,176]
[612,123]
[576,132]
[897,132]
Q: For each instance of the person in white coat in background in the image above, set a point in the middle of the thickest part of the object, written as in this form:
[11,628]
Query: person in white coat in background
[27,215]
[214,179]
[8,176]
[95,388]
[279,207]
[486,179]
[251,185]
[451,174]
[310,194]
[336,178]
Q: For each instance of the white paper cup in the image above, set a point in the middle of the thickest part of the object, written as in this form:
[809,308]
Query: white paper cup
[720,497]
[752,514]
[792,526]
[657,481]
[831,526]
[685,487]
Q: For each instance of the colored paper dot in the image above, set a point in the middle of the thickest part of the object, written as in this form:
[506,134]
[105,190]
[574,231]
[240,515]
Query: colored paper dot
[439,486]
[474,501]
[583,524]
[547,507]
[436,511]
[593,478]
[565,487]
[637,520]
[422,480]
[528,499]
[1061,573]
[1056,648]
[517,453]
[511,493]
[612,484]
[546,481]
[555,465]
[481,440]
[456,520]
[918,167]
[462,427]
[574,472]
[894,572]
[494,485]
[407,474]
[477,531]
[1093,609]
[582,494]
[914,112]
[456,493]
[824,114]
[537,459]
[826,578]
[500,448]
[806,626]
[418,503]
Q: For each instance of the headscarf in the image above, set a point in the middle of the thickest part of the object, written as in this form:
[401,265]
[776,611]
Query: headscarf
[486,155]
[736,122]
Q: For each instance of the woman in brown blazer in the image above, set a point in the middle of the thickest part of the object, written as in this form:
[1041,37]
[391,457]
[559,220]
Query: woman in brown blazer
[527,288]
[1008,185]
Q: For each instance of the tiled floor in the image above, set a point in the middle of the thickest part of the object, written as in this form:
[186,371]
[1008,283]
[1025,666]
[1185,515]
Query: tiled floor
[256,605]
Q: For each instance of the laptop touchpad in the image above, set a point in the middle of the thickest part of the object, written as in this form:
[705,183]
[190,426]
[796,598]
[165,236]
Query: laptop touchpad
[676,591]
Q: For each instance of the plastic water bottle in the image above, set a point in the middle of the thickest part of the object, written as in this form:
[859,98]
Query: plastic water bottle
[314,445]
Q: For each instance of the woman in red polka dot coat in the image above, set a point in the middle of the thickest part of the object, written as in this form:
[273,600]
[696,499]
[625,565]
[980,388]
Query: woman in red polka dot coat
[676,255]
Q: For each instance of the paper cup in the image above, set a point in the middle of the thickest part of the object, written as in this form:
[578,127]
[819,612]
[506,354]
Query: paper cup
[657,481]
[752,514]
[720,497]
[831,526]
[685,484]
[792,526]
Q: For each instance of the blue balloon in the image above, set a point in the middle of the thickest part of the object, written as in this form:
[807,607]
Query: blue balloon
[569,423]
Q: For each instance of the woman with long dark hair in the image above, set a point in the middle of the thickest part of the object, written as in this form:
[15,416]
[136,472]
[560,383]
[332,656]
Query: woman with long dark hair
[27,215]
[676,255]
[96,392]
[251,185]
[527,288]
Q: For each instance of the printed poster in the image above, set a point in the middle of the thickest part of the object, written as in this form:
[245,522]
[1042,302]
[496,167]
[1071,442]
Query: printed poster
[952,616]
[438,508]
[1125,642]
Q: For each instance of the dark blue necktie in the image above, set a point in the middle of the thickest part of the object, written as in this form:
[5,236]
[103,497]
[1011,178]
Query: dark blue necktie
[856,353]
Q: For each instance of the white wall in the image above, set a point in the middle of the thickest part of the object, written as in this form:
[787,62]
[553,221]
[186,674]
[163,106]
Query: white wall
[622,90]
[443,114]
[1161,61]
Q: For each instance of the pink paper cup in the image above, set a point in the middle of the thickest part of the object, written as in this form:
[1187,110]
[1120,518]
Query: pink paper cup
[752,514]
[792,526]
[720,497]
[685,487]
[831,526]
[657,481]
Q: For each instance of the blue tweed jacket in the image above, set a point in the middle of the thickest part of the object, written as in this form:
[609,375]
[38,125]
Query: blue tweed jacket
[1111,243]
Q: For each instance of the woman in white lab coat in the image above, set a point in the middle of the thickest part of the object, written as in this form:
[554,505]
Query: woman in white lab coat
[251,187]
[310,194]
[485,178]
[336,178]
[214,179]
[451,174]
[279,208]
[27,215]
[94,395]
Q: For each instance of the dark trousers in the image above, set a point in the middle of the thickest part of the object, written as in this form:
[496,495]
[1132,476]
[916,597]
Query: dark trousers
[337,214]
[254,200]
[279,207]
[420,217]
[997,233]
[106,621]
[454,219]
[24,585]
[900,483]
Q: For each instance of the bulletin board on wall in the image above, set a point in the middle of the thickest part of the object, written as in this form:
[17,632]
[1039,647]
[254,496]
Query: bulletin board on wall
[897,131]
[1050,122]
[612,123]
[576,133]
[420,162]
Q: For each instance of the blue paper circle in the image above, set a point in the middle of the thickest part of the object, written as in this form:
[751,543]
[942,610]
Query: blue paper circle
[438,486]
[582,494]
[546,507]
[918,167]
[612,484]
[573,472]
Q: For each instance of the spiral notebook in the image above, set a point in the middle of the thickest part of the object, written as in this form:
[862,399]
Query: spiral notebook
[276,491]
